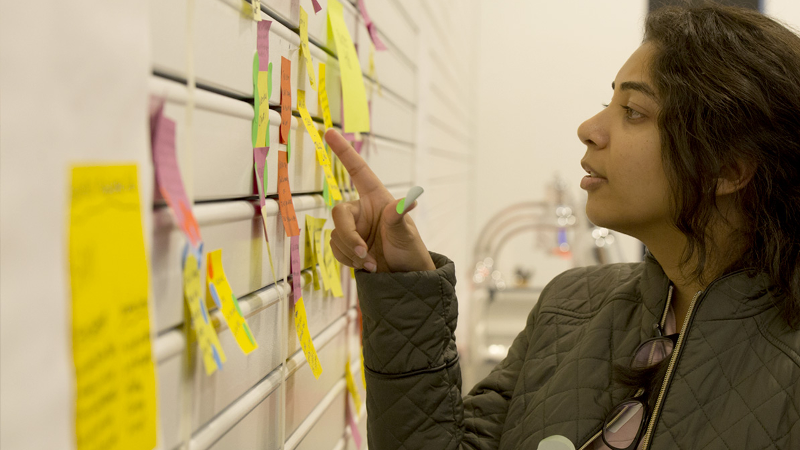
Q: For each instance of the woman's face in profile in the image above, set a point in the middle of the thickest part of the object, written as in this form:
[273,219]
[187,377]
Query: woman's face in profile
[627,186]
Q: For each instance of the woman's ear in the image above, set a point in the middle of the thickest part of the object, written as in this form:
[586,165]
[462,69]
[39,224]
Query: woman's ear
[734,177]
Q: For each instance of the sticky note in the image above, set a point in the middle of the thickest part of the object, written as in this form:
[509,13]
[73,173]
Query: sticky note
[262,44]
[351,386]
[322,155]
[304,47]
[373,31]
[170,183]
[317,7]
[286,100]
[352,423]
[297,275]
[115,397]
[330,265]
[355,97]
[319,253]
[256,101]
[285,203]
[262,137]
[260,169]
[313,228]
[304,336]
[363,377]
[220,291]
[322,95]
[210,348]
[256,10]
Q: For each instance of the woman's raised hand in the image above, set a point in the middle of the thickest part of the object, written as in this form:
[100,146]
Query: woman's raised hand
[369,232]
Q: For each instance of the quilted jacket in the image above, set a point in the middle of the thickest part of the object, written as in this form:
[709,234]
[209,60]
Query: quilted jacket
[735,382]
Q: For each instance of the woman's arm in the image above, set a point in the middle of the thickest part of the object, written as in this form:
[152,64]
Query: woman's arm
[412,369]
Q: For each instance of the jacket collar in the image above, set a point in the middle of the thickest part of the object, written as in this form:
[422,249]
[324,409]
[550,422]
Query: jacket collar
[735,295]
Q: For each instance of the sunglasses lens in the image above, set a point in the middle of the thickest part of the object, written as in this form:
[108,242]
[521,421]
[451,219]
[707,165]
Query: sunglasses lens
[622,424]
[652,352]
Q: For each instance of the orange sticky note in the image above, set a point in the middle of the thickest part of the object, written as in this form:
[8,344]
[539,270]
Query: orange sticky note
[285,203]
[286,100]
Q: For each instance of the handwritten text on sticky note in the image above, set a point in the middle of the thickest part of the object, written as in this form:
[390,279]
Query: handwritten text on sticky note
[285,203]
[220,291]
[115,401]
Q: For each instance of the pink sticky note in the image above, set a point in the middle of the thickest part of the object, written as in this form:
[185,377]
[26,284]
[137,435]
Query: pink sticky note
[317,7]
[260,159]
[262,45]
[357,146]
[170,183]
[297,288]
[373,31]
[351,420]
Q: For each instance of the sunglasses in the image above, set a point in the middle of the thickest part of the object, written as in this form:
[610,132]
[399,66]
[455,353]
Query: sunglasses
[617,428]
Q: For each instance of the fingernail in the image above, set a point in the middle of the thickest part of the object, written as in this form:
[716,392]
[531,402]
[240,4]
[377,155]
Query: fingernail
[370,267]
[361,251]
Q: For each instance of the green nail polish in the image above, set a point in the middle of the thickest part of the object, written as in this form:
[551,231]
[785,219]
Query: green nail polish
[409,199]
[401,206]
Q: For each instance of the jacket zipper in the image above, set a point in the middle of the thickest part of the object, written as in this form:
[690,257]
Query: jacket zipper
[654,416]
[645,444]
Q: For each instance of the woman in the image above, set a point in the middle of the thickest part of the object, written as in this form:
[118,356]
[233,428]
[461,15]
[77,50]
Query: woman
[698,156]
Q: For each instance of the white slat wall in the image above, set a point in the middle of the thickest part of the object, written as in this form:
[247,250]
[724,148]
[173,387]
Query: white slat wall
[413,142]
[108,61]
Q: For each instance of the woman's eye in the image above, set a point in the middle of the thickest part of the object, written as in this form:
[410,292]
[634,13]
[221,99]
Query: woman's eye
[631,113]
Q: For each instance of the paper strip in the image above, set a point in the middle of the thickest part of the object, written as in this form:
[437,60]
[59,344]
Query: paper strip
[260,169]
[115,398]
[355,97]
[256,10]
[373,31]
[262,136]
[313,228]
[262,44]
[170,183]
[220,291]
[322,96]
[322,156]
[256,100]
[285,203]
[304,336]
[351,386]
[334,274]
[353,424]
[304,47]
[297,270]
[206,335]
[327,284]
[286,100]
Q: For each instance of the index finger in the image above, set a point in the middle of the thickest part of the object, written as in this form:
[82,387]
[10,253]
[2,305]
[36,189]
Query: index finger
[363,177]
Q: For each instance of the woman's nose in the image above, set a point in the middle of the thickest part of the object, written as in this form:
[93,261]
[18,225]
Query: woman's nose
[593,132]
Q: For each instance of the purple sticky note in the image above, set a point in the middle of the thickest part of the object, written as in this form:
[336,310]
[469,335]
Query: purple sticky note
[260,159]
[317,7]
[170,183]
[351,420]
[297,289]
[262,45]
[373,31]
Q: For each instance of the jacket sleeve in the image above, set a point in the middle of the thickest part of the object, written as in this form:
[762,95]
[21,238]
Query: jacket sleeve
[412,370]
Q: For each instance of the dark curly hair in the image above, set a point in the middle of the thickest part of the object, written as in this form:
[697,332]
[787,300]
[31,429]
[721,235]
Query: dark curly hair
[729,83]
[728,80]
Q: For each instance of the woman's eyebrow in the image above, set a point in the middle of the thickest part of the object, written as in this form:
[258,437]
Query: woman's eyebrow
[644,88]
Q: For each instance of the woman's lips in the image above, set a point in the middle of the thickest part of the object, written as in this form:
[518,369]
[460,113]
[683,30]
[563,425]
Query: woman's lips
[590,183]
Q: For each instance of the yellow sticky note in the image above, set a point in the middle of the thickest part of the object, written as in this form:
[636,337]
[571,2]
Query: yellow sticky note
[220,291]
[356,111]
[363,377]
[263,110]
[115,401]
[304,46]
[313,225]
[207,339]
[351,387]
[318,251]
[322,95]
[304,336]
[333,272]
[322,155]
[256,10]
